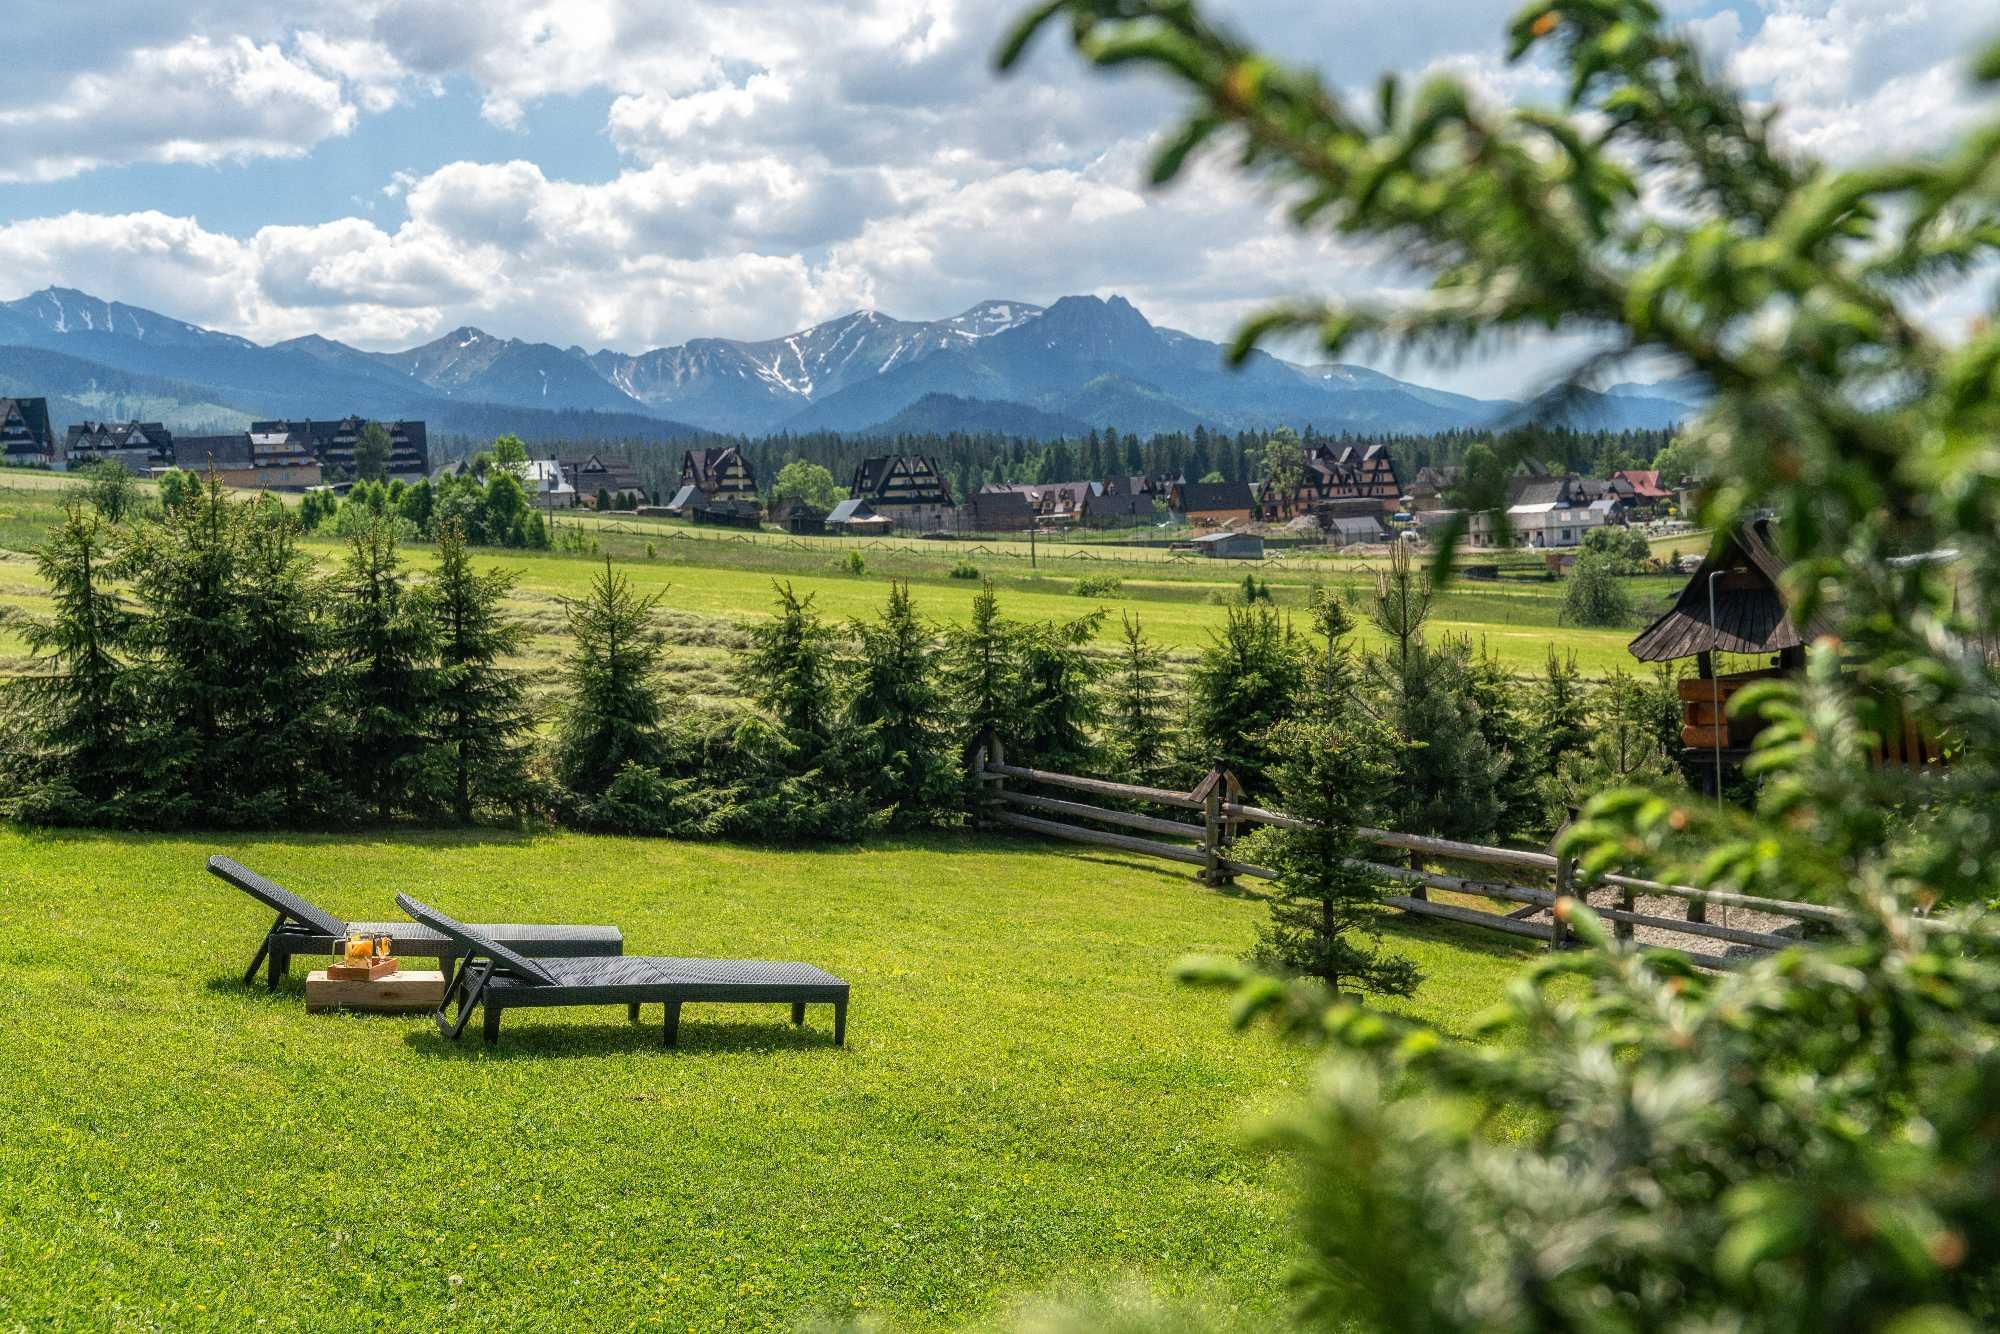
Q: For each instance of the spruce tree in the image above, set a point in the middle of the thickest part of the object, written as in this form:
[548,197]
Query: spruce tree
[614,710]
[480,715]
[1139,718]
[1335,772]
[1246,682]
[74,715]
[185,571]
[1058,705]
[898,694]
[388,673]
[282,746]
[1562,704]
[793,668]
[982,671]
[1449,774]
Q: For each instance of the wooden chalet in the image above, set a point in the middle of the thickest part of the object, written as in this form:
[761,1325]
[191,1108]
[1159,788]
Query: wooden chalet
[998,509]
[595,473]
[26,438]
[1750,618]
[908,490]
[1213,502]
[719,474]
[330,445]
[258,460]
[140,447]
[1336,473]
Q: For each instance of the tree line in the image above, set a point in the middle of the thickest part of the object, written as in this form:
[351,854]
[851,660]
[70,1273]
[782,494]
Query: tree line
[199,667]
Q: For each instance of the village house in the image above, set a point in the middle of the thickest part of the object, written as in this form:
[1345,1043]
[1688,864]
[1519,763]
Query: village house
[855,518]
[719,474]
[592,474]
[1639,490]
[1110,510]
[1547,513]
[546,486]
[1431,487]
[907,490]
[1156,486]
[26,438]
[1337,473]
[331,444]
[1000,509]
[141,448]
[253,459]
[1213,503]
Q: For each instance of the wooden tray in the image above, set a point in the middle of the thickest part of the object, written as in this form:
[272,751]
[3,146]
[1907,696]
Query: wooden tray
[372,971]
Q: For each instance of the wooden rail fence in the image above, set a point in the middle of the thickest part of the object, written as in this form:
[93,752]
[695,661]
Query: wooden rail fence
[1208,820]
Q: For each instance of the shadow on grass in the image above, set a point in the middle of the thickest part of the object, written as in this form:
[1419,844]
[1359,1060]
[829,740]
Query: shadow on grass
[618,1037]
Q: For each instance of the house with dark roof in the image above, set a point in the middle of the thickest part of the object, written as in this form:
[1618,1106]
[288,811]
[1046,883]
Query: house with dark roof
[1213,502]
[719,474]
[1430,487]
[1119,511]
[594,473]
[998,509]
[331,444]
[26,438]
[855,518]
[141,448]
[1336,472]
[254,460]
[1639,489]
[909,490]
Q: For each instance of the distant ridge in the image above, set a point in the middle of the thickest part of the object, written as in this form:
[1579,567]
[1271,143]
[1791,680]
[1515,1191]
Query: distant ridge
[1004,366]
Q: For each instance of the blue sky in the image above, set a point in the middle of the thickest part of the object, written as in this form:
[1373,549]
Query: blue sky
[628,173]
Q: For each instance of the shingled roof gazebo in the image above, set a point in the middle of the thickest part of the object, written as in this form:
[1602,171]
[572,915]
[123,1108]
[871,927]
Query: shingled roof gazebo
[1735,603]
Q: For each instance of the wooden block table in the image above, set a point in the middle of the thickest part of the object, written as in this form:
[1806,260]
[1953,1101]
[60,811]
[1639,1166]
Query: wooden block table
[407,989]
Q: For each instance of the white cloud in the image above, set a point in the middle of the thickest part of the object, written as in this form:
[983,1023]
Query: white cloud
[200,100]
[779,163]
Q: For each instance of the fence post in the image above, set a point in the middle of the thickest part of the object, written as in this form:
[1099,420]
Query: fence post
[1419,890]
[1210,791]
[1697,910]
[1565,883]
[991,785]
[1629,901]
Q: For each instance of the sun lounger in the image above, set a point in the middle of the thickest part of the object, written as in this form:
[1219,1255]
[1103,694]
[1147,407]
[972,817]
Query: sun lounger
[496,977]
[307,928]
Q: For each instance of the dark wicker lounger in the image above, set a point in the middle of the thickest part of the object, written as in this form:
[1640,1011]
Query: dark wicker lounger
[307,928]
[496,978]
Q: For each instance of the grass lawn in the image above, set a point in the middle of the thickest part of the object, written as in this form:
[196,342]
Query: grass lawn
[1028,1102]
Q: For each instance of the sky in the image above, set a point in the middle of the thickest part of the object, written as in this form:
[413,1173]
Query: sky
[631,173]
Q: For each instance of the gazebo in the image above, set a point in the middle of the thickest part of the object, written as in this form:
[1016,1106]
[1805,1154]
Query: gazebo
[1735,603]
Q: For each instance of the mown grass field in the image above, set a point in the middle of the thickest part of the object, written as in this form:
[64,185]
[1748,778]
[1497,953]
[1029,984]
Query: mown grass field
[714,586]
[1028,1104]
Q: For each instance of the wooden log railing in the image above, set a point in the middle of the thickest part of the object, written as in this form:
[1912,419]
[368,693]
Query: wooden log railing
[1208,846]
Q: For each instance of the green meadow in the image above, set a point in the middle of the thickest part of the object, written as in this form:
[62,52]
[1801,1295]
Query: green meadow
[1028,1105]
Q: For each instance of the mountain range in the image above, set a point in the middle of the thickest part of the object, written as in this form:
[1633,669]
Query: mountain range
[1009,367]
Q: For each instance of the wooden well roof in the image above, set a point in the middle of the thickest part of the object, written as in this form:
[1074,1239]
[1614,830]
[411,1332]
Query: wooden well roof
[1750,611]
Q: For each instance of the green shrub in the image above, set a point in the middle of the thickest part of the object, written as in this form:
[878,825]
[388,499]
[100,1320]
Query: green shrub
[965,569]
[1594,595]
[854,563]
[1097,586]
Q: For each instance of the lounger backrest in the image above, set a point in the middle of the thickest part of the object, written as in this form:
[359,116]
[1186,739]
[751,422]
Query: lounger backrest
[472,941]
[276,897]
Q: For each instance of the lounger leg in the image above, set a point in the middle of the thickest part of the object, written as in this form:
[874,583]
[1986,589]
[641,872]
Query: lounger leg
[632,1012]
[798,1013]
[280,965]
[490,1026]
[673,1025]
[250,976]
[840,1023]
